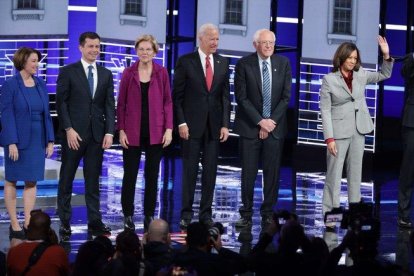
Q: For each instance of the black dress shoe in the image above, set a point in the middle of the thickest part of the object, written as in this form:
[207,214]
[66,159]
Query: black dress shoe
[266,220]
[208,222]
[98,228]
[65,232]
[184,223]
[404,223]
[147,221]
[243,222]
[128,223]
[19,234]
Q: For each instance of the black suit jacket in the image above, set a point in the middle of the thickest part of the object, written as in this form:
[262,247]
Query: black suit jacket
[77,109]
[248,89]
[193,103]
[407,72]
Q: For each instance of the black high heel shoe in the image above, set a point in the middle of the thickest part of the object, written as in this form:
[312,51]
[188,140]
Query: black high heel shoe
[20,234]
[129,223]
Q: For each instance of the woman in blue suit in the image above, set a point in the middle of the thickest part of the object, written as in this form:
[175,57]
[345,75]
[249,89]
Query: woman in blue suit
[26,135]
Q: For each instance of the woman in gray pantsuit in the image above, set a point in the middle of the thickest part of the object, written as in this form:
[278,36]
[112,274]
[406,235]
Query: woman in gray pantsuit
[346,119]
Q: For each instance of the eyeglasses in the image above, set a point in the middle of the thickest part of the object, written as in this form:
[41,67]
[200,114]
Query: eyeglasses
[267,43]
[148,50]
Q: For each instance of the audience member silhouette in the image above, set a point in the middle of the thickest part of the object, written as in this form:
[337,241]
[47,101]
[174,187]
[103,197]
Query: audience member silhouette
[41,241]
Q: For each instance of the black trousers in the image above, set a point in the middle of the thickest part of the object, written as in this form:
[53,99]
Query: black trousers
[406,181]
[191,153]
[269,152]
[132,158]
[92,154]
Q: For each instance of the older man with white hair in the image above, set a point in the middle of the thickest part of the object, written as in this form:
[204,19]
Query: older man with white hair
[202,111]
[262,88]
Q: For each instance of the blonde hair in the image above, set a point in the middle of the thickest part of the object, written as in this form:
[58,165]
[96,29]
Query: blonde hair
[151,39]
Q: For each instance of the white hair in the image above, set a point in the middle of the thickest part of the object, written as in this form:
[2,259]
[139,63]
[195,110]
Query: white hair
[259,32]
[206,27]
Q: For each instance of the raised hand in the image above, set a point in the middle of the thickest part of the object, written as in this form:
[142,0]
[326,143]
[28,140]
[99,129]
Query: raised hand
[382,43]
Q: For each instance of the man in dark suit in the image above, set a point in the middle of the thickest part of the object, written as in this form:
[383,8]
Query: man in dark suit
[202,110]
[262,87]
[86,110]
[406,182]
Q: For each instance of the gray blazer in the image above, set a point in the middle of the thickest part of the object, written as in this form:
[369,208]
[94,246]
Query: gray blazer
[343,111]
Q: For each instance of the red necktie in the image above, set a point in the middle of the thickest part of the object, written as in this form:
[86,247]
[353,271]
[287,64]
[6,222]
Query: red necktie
[209,73]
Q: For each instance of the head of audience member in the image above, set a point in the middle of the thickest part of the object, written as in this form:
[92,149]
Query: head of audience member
[27,59]
[90,260]
[39,227]
[198,236]
[264,42]
[366,240]
[109,249]
[89,46]
[146,47]
[292,236]
[317,255]
[127,243]
[158,231]
[346,58]
[208,37]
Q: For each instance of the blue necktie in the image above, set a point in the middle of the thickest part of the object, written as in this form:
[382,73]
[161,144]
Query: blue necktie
[267,99]
[90,79]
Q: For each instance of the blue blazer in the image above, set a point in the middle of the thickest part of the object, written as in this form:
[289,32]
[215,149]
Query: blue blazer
[16,113]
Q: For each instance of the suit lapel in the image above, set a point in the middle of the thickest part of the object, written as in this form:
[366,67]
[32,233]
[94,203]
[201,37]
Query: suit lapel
[343,83]
[218,70]
[100,70]
[22,89]
[82,78]
[198,67]
[275,75]
[254,64]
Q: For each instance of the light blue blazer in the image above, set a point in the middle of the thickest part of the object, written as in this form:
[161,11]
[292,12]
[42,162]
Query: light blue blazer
[16,113]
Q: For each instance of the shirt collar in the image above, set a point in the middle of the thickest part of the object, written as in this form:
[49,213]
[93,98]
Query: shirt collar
[86,65]
[203,55]
[261,60]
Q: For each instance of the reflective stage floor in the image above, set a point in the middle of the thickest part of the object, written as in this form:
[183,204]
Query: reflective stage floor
[300,192]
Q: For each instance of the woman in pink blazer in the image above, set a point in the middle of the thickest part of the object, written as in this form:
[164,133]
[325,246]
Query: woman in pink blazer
[145,122]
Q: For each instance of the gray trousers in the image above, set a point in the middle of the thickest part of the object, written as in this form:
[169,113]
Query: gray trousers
[352,150]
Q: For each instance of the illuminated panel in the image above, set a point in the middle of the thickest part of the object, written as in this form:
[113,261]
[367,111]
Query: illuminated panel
[53,52]
[232,67]
[309,116]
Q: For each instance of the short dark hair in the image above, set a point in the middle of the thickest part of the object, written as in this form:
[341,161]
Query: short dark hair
[90,35]
[342,53]
[127,242]
[197,235]
[39,225]
[22,54]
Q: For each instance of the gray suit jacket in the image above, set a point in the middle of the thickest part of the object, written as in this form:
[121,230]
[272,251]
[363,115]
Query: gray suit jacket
[343,111]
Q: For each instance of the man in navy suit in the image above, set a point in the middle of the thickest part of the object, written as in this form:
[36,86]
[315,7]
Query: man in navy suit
[86,110]
[406,181]
[262,87]
[202,110]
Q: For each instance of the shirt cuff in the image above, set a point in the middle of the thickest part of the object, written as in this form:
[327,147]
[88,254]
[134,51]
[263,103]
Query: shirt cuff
[327,141]
[183,124]
[109,134]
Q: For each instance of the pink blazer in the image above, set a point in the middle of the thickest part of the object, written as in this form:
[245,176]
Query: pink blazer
[159,104]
